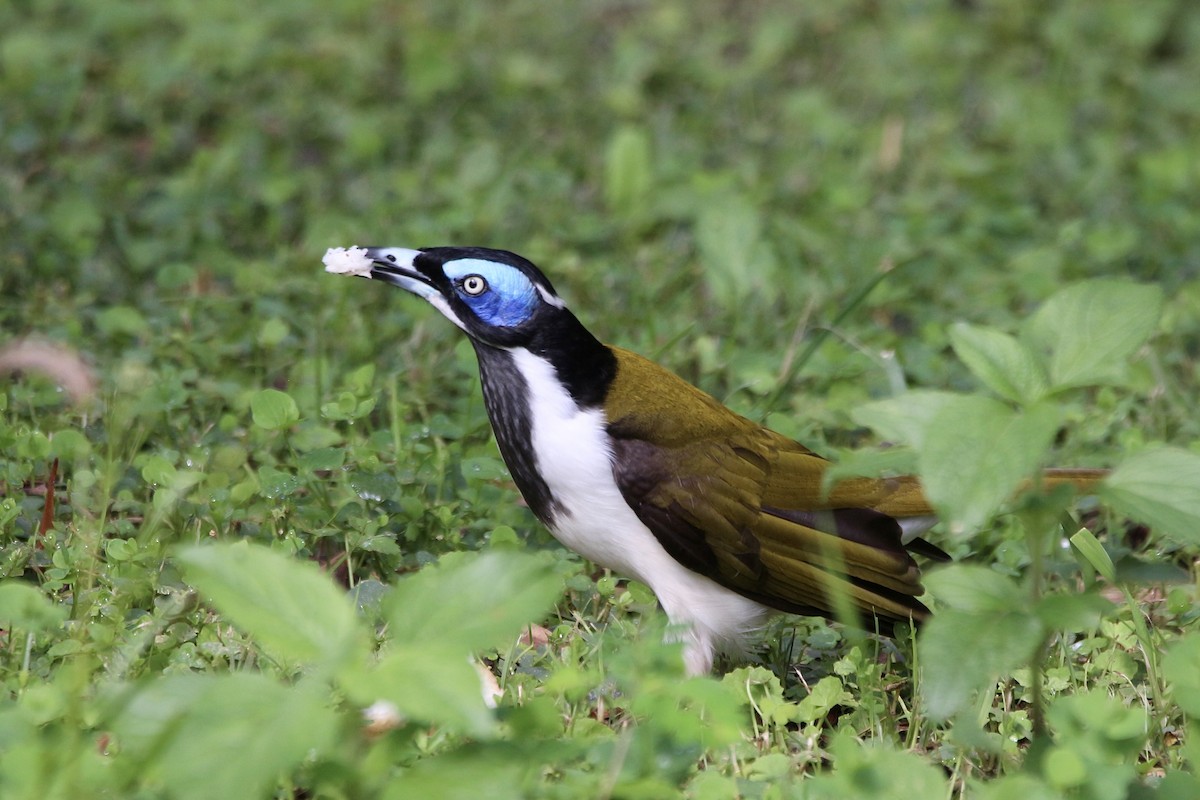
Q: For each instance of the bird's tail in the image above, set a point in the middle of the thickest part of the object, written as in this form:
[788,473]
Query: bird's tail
[903,497]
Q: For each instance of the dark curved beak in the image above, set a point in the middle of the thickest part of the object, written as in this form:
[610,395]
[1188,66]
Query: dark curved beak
[396,265]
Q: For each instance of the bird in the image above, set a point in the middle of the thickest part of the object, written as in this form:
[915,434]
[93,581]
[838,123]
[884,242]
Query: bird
[642,473]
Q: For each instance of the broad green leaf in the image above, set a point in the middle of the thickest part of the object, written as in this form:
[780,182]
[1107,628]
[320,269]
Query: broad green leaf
[1072,612]
[467,773]
[309,436]
[765,692]
[873,770]
[158,471]
[1160,488]
[275,483]
[289,606]
[368,598]
[472,601]
[144,713]
[70,444]
[1015,786]
[323,458]
[904,419]
[769,767]
[711,785]
[273,409]
[27,607]
[1153,570]
[628,172]
[828,693]
[688,709]
[362,380]
[1001,362]
[962,653]
[380,544]
[1177,784]
[975,589]
[1096,713]
[1091,328]
[869,464]
[272,332]
[1098,740]
[122,319]
[1064,769]
[1181,668]
[977,451]
[229,735]
[428,682]
[483,468]
[729,235]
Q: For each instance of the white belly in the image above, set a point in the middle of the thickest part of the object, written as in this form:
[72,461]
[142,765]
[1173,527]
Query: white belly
[592,518]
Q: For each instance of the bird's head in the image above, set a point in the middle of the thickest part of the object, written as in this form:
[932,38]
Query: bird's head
[497,297]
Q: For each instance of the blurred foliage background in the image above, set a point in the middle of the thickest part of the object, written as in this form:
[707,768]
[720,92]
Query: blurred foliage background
[184,165]
[708,183]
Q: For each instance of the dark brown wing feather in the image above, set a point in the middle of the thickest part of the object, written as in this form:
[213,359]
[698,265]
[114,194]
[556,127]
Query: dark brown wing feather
[747,507]
[705,504]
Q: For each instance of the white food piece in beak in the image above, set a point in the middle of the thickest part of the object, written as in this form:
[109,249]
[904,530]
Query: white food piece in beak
[347,261]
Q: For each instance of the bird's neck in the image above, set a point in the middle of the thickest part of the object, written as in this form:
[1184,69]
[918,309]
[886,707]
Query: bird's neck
[565,368]
[584,365]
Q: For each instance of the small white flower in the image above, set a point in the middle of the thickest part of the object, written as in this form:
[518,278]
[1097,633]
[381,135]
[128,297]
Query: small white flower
[382,716]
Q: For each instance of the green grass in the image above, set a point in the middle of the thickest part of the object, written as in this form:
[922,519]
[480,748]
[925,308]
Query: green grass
[712,185]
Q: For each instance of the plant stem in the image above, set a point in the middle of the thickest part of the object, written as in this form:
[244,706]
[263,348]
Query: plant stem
[1036,538]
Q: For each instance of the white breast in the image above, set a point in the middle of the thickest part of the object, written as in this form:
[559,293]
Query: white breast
[574,458]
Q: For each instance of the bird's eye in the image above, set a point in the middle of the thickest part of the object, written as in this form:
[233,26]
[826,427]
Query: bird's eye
[474,285]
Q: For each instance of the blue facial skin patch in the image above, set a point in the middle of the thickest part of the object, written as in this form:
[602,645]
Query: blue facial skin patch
[510,298]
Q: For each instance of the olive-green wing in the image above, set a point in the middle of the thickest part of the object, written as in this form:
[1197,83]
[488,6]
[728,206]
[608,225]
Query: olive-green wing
[721,507]
[747,507]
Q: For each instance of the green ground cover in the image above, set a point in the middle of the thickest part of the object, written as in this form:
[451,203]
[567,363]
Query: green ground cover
[274,501]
